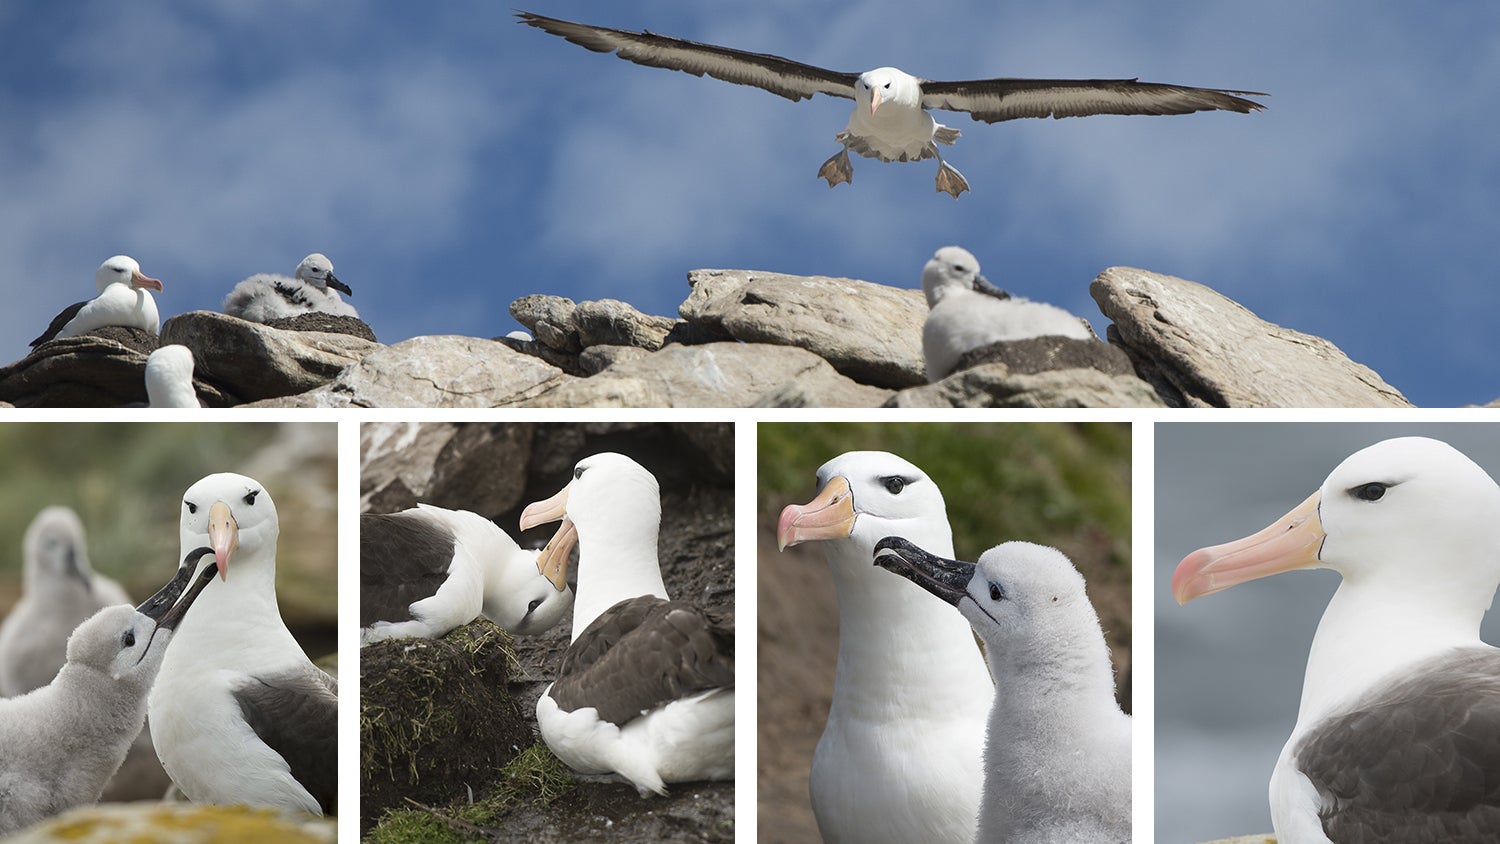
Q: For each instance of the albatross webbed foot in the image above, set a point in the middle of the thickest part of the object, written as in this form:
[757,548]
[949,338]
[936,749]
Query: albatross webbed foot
[949,180]
[837,169]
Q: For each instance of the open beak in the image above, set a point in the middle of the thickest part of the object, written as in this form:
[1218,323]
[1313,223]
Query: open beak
[1291,542]
[223,535]
[138,280]
[945,578]
[341,287]
[552,562]
[829,516]
[164,608]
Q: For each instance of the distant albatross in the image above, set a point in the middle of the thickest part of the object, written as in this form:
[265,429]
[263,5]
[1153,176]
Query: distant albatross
[890,120]
[1398,733]
[124,299]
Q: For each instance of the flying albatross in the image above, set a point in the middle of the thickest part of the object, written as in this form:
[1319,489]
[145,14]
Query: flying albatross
[890,120]
[911,694]
[60,744]
[1057,749]
[646,689]
[239,714]
[427,570]
[124,299]
[1398,732]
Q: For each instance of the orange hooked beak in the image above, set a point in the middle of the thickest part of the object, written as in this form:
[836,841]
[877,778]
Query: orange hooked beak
[223,536]
[829,516]
[1291,542]
[138,280]
[552,562]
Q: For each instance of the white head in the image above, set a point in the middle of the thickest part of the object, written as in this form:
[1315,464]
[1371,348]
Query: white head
[169,377]
[1411,514]
[317,270]
[611,497]
[123,269]
[233,515]
[950,268]
[883,85]
[864,496]
[55,552]
[532,604]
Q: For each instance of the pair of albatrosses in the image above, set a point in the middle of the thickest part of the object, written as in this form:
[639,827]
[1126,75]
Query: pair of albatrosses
[645,690]
[890,120]
[60,743]
[913,701]
[1398,733]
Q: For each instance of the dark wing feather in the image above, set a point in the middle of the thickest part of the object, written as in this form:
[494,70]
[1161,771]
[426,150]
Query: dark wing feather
[993,100]
[1417,761]
[403,558]
[642,653]
[58,322]
[784,77]
[296,715]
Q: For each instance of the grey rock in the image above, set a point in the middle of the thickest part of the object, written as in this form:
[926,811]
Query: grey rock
[568,362]
[549,319]
[1201,349]
[399,456]
[1041,354]
[103,368]
[869,332]
[615,323]
[995,385]
[252,362]
[435,371]
[596,359]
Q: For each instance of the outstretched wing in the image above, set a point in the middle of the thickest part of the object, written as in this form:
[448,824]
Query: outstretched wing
[783,77]
[993,100]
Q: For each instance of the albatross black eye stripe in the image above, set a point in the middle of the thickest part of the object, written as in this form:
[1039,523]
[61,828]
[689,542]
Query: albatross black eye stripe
[894,484]
[1373,491]
[250,497]
[192,508]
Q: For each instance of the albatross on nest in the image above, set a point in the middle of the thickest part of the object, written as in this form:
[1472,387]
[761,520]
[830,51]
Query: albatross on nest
[123,300]
[427,570]
[314,289]
[911,694]
[646,689]
[1057,750]
[890,120]
[1398,732]
[239,714]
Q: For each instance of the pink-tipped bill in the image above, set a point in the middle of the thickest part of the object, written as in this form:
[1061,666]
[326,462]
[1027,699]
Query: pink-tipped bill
[1291,542]
[829,516]
[223,536]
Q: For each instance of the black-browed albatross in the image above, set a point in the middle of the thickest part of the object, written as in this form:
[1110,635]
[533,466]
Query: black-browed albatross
[1398,732]
[890,120]
[646,689]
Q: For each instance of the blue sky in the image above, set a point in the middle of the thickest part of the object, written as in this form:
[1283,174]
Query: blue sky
[449,161]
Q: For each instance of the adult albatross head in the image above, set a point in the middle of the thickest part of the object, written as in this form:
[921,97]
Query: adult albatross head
[864,496]
[123,269]
[233,516]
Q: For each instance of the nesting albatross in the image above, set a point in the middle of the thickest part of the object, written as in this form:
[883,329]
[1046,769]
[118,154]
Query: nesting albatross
[890,120]
[312,289]
[1398,732]
[1057,749]
[239,714]
[427,570]
[646,689]
[61,743]
[911,694]
[124,299]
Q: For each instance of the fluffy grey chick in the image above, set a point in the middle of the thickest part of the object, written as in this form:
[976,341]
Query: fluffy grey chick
[61,743]
[1057,749]
[59,589]
[966,312]
[268,296]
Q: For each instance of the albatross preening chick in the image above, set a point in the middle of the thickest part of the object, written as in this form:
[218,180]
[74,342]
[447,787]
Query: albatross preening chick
[427,570]
[646,689]
[911,692]
[239,714]
[267,296]
[61,743]
[1057,748]
[123,300]
[59,589]
[1398,732]
[890,120]
[966,312]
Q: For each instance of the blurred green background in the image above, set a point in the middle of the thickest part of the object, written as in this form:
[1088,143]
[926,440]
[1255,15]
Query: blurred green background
[126,480]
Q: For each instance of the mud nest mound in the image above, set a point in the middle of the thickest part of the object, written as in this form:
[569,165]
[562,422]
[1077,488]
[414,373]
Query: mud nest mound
[331,323]
[436,718]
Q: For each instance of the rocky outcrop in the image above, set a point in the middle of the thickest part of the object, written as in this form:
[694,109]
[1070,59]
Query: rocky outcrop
[250,361]
[1198,348]
[996,385]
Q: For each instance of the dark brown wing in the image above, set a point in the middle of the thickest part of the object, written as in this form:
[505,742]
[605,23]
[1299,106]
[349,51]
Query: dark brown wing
[644,652]
[403,558]
[993,100]
[783,77]
[296,715]
[58,322]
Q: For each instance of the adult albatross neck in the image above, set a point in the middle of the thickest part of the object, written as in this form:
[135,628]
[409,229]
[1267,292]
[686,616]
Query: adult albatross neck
[890,120]
[1398,732]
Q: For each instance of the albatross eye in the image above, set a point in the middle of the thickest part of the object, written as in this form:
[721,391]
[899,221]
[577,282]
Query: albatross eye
[894,484]
[886,85]
[192,508]
[577,473]
[996,593]
[250,497]
[1370,491]
[127,639]
[531,607]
